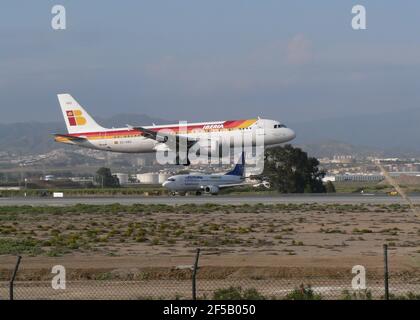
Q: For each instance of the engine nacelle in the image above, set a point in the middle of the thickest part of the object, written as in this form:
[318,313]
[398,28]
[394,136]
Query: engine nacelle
[161,147]
[211,189]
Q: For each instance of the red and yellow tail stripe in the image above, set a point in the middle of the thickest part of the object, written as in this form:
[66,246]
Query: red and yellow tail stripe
[118,134]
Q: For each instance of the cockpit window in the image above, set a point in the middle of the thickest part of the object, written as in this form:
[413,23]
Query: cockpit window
[277,126]
[171,179]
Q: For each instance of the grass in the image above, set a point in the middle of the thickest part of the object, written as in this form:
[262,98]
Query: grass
[361,231]
[357,187]
[357,295]
[8,213]
[57,231]
[237,293]
[328,230]
[304,292]
[84,192]
[17,247]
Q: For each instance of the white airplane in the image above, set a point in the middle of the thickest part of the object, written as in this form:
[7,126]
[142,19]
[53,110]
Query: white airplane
[207,183]
[83,131]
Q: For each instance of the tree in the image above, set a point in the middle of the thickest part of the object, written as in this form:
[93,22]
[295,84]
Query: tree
[329,187]
[105,179]
[290,170]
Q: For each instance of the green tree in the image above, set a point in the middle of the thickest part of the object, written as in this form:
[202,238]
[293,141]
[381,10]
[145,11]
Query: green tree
[105,179]
[290,170]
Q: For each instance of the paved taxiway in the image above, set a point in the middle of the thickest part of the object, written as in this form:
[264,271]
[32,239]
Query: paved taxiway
[221,199]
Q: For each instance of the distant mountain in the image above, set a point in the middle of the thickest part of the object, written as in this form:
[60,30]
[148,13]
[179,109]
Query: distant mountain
[331,148]
[397,131]
[122,119]
[390,134]
[36,137]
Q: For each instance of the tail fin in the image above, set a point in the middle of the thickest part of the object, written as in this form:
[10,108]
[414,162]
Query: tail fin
[76,118]
[239,169]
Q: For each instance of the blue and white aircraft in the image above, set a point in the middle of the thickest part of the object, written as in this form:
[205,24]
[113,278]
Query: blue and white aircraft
[210,184]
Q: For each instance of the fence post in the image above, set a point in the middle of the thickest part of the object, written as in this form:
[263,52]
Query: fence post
[386,272]
[12,280]
[194,276]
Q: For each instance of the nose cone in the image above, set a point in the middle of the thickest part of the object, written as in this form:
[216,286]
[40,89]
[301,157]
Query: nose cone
[290,134]
[168,184]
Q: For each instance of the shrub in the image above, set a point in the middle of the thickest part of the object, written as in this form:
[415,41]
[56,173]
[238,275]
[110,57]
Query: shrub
[407,296]
[236,293]
[303,293]
[357,295]
[29,246]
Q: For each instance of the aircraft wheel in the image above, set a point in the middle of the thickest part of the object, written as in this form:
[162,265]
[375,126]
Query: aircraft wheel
[198,193]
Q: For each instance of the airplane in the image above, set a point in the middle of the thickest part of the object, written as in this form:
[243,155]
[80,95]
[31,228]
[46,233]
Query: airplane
[84,131]
[207,183]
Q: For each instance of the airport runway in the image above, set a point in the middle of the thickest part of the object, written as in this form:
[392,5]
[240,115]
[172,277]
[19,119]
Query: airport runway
[221,199]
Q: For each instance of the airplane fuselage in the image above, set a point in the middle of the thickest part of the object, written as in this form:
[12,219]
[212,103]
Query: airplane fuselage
[131,140]
[201,183]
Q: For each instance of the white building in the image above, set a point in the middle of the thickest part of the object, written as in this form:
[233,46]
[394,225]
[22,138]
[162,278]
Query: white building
[359,177]
[122,177]
[163,176]
[148,178]
[328,178]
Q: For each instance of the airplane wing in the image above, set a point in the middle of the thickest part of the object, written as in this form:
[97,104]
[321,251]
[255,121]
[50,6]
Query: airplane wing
[234,185]
[163,138]
[231,185]
[69,137]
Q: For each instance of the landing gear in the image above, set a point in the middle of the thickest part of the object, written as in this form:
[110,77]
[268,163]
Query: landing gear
[178,161]
[198,193]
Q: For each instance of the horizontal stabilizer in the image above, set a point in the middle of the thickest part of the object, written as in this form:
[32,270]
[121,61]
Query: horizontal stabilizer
[66,137]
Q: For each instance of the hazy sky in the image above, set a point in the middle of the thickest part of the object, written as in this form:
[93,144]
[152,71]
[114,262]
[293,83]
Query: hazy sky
[209,60]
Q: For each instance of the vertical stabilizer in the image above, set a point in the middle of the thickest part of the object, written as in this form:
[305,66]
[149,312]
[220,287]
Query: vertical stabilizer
[239,169]
[76,118]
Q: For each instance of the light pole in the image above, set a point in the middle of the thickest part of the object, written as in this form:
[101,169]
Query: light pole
[26,185]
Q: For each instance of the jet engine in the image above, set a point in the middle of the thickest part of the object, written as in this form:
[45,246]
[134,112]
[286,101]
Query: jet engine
[211,189]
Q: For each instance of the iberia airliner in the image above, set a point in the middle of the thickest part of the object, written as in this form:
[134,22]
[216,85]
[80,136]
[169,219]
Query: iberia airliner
[83,131]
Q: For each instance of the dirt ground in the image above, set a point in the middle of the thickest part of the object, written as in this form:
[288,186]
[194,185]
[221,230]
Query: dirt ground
[281,243]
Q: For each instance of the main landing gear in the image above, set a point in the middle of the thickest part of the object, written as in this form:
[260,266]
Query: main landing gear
[179,161]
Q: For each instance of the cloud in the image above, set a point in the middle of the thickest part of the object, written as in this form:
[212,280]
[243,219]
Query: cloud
[299,50]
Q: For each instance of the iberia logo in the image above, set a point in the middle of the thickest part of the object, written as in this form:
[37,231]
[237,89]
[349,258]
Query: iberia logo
[76,118]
